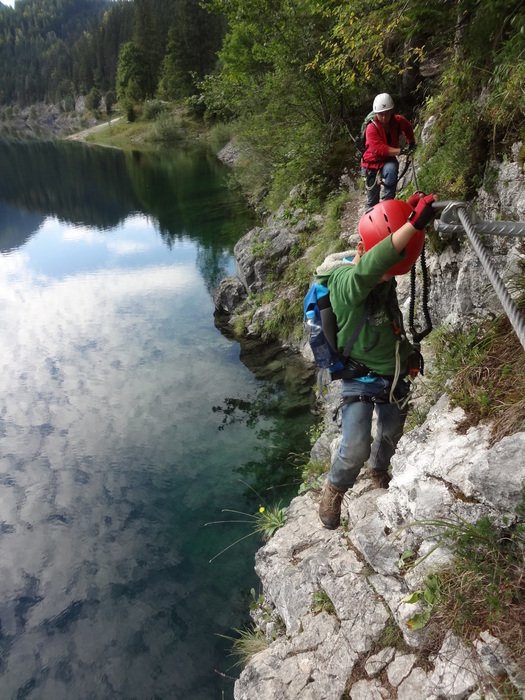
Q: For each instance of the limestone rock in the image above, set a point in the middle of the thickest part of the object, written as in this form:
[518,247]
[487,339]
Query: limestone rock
[229,154]
[358,571]
[228,295]
[400,667]
[455,674]
[263,251]
[377,662]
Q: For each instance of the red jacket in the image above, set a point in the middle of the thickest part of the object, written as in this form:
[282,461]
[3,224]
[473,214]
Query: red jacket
[376,153]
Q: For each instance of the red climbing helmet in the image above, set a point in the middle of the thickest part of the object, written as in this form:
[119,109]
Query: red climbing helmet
[382,220]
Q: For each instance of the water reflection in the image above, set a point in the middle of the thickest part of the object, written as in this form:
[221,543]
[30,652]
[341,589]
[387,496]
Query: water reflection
[285,392]
[182,191]
[112,458]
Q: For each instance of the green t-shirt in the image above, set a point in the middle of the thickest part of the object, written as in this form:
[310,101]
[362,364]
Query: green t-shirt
[349,287]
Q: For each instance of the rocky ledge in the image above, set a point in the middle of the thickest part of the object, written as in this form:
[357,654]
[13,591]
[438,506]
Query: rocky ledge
[335,610]
[363,648]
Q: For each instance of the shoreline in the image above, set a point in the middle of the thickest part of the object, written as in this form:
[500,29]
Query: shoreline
[82,135]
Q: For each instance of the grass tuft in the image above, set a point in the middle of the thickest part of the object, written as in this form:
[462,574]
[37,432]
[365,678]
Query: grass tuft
[483,370]
[250,641]
[482,588]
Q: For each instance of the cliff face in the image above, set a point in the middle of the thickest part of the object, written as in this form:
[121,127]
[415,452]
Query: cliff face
[341,624]
[364,644]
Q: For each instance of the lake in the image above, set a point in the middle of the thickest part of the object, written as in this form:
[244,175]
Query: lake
[128,421]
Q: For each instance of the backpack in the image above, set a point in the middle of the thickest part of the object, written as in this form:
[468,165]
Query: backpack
[318,312]
[360,140]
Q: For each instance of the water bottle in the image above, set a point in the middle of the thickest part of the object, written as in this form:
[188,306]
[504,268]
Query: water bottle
[320,348]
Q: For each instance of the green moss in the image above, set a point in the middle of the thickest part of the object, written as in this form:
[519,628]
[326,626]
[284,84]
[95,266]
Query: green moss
[453,160]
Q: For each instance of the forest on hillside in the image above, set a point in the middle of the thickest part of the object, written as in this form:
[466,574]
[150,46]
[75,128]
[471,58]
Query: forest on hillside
[55,50]
[292,79]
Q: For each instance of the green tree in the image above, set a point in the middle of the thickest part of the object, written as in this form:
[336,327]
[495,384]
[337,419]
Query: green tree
[291,115]
[131,79]
[93,99]
[37,40]
[194,38]
[109,99]
[150,39]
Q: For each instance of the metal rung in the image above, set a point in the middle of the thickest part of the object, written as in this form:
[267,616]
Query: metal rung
[494,228]
[450,222]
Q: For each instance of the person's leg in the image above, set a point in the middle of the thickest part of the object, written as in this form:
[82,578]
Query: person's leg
[353,452]
[389,173]
[354,449]
[390,423]
[373,188]
[348,462]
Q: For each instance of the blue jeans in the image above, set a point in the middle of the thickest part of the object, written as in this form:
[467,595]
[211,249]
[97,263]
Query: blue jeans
[357,446]
[389,173]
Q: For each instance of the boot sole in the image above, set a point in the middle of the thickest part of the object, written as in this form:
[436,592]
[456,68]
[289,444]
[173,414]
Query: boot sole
[327,527]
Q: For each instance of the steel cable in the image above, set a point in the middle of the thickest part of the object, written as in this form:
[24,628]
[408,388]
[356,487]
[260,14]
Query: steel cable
[515,317]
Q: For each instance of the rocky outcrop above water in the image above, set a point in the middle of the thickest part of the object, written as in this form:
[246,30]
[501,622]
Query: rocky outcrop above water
[44,121]
[229,154]
[364,646]
[263,254]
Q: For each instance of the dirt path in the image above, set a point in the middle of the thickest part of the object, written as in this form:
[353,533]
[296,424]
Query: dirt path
[352,212]
[81,135]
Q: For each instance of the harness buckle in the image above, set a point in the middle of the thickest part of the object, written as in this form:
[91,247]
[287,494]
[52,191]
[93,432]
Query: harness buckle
[397,329]
[416,363]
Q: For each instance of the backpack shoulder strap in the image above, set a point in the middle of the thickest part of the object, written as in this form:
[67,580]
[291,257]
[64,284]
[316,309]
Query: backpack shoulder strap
[359,327]
[371,121]
[328,321]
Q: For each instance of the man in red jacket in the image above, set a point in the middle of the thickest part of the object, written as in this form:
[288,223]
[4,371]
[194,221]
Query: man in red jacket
[380,165]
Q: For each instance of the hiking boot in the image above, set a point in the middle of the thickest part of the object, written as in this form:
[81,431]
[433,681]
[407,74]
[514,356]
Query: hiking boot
[330,506]
[380,479]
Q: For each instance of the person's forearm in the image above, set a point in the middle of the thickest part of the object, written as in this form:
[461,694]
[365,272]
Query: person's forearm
[402,236]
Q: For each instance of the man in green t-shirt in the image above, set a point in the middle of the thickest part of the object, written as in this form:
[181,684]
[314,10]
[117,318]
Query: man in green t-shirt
[392,236]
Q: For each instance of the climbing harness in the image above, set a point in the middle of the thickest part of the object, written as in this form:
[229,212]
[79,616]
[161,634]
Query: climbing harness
[372,177]
[401,397]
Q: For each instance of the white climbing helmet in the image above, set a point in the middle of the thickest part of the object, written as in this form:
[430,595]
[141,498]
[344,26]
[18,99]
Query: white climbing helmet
[383,103]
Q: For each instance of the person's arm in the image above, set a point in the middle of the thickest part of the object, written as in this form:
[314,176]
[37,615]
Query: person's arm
[421,216]
[402,236]
[406,128]
[377,145]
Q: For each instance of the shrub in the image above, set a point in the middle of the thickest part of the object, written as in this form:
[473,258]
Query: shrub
[168,128]
[152,109]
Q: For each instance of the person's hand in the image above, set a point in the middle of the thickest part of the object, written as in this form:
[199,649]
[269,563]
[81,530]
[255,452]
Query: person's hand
[408,149]
[414,198]
[423,212]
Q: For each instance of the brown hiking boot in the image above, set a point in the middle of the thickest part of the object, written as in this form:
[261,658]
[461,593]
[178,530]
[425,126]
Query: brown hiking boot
[330,506]
[380,479]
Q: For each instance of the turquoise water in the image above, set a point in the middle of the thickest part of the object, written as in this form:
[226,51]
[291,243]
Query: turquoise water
[128,421]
